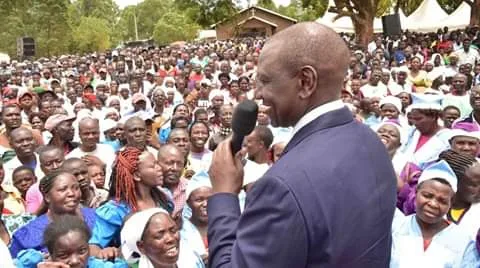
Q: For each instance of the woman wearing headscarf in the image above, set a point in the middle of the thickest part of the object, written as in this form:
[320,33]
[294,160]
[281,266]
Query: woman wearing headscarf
[438,67]
[153,235]
[195,218]
[427,139]
[391,109]
[426,239]
[392,135]
[114,102]
[134,186]
[62,196]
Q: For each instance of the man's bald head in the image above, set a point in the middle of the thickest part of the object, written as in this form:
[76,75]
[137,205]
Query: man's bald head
[312,44]
[168,149]
[299,69]
[88,122]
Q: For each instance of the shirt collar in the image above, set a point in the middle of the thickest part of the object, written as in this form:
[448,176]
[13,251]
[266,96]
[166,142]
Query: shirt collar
[317,112]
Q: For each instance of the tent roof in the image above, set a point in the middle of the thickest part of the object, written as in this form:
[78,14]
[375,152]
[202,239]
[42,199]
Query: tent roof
[427,17]
[460,18]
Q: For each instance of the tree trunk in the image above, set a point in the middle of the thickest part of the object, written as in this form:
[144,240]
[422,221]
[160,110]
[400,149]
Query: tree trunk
[475,13]
[363,30]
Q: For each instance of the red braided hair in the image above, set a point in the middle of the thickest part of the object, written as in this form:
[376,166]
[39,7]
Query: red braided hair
[127,164]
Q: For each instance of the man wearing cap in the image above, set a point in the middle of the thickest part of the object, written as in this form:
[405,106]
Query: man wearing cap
[465,138]
[60,126]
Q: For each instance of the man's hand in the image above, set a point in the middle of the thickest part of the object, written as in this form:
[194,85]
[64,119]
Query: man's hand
[93,160]
[226,171]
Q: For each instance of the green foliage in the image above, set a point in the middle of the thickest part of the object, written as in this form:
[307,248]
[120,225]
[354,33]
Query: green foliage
[208,12]
[92,34]
[268,4]
[174,26]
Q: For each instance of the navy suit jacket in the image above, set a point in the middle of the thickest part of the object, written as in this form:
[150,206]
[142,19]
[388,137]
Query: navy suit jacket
[328,202]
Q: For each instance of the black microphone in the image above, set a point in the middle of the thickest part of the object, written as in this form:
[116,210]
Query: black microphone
[243,122]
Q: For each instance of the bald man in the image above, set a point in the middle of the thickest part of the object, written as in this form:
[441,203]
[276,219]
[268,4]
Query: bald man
[329,200]
[90,150]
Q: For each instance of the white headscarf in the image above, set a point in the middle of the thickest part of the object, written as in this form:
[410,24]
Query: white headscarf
[132,232]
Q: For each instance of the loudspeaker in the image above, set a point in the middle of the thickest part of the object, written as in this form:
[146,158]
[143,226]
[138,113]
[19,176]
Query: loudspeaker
[25,47]
[391,25]
[28,47]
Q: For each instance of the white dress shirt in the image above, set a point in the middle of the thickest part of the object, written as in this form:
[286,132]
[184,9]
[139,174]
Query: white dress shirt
[315,113]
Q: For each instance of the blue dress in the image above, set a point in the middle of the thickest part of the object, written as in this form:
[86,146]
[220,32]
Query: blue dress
[30,236]
[109,221]
[30,258]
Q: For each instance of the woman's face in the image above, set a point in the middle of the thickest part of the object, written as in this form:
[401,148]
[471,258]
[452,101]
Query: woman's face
[199,136]
[234,89]
[226,113]
[405,98]
[149,171]
[71,249]
[161,241]
[198,203]
[113,116]
[389,111]
[181,110]
[244,85]
[217,102]
[390,136]
[65,194]
[437,61]
[415,64]
[466,145]
[37,123]
[115,104]
[433,200]
[424,123]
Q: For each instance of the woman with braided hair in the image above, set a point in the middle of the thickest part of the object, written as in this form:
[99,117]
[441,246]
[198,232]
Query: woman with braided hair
[465,209]
[61,195]
[134,186]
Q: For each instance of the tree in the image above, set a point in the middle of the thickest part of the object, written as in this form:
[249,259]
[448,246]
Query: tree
[361,12]
[475,11]
[92,34]
[268,4]
[208,12]
[174,26]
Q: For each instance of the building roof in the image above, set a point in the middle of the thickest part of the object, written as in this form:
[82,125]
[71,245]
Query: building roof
[259,8]
[259,19]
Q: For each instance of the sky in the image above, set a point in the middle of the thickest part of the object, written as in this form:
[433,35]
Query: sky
[124,3]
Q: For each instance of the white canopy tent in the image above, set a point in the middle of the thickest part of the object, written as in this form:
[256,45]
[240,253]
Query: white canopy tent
[460,18]
[427,17]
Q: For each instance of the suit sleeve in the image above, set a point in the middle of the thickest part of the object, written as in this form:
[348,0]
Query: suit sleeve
[270,233]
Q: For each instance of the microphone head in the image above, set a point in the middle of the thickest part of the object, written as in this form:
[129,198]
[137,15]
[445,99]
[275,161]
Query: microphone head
[244,117]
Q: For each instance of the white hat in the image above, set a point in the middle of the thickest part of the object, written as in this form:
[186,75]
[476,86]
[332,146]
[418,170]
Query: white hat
[200,179]
[392,100]
[440,170]
[107,124]
[133,229]
[426,102]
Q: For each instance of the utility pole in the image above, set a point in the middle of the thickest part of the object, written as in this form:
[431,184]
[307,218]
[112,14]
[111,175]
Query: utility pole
[135,20]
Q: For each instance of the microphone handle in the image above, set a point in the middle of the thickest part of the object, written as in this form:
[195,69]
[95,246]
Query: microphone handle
[236,143]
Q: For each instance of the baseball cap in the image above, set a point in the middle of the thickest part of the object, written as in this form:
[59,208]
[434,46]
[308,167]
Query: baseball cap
[56,119]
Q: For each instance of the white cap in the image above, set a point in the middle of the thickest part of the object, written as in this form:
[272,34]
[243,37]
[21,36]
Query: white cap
[440,170]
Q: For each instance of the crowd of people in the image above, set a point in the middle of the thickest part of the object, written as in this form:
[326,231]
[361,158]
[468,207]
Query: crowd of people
[105,156]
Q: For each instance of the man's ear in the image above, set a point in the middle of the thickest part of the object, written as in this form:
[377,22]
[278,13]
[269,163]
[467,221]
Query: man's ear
[308,81]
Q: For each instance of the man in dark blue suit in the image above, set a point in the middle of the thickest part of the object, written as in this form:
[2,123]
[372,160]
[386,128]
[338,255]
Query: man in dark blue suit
[329,200]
